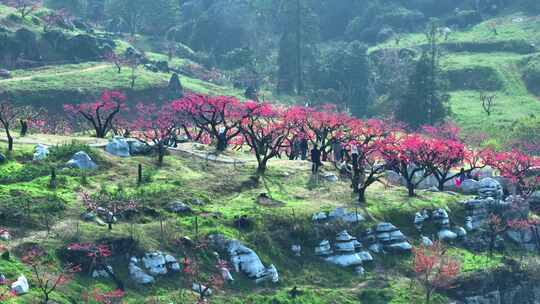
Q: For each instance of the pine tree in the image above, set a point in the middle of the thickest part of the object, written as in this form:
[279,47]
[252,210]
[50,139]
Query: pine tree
[425,101]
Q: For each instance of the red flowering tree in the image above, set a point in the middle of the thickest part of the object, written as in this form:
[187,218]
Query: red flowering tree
[218,116]
[296,118]
[24,7]
[101,113]
[520,168]
[326,124]
[443,157]
[264,131]
[47,276]
[156,126]
[407,154]
[95,258]
[434,269]
[369,138]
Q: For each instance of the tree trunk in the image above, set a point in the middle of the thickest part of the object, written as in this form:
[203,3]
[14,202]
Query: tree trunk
[161,155]
[261,168]
[10,141]
[410,189]
[362,195]
[24,128]
[441,185]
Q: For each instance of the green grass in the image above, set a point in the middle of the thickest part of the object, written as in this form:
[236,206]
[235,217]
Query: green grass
[507,29]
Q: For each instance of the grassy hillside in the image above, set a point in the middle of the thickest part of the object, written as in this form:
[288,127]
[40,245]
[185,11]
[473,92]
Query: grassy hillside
[477,59]
[227,192]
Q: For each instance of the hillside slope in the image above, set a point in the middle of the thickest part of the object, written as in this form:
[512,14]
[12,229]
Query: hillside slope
[478,59]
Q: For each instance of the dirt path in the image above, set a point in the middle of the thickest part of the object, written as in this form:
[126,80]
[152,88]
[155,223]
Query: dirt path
[90,69]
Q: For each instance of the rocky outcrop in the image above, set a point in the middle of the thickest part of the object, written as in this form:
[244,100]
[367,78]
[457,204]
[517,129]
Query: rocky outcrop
[244,259]
[155,264]
[386,237]
[137,274]
[347,251]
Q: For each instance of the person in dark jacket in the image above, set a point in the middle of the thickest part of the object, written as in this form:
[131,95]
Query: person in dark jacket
[304,147]
[315,159]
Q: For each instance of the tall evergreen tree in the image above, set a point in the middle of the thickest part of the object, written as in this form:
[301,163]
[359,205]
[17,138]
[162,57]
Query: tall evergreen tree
[425,101]
[299,31]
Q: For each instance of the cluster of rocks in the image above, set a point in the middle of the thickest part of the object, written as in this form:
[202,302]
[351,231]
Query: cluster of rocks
[338,214]
[347,251]
[154,263]
[441,220]
[488,200]
[244,259]
[122,147]
[386,237]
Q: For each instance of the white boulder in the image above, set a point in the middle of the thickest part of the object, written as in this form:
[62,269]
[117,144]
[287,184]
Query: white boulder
[40,152]
[81,160]
[20,286]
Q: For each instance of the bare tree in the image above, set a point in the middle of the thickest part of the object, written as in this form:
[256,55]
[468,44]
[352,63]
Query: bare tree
[488,102]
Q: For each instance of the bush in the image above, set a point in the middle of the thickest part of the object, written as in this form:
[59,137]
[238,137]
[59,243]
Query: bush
[16,173]
[474,78]
[531,75]
[64,152]
[375,296]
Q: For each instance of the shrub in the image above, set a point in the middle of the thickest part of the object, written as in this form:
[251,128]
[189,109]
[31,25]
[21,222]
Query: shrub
[64,152]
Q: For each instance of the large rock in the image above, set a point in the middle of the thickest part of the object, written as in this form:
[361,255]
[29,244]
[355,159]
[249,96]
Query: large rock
[346,248]
[20,286]
[489,187]
[244,259]
[137,274]
[137,147]
[330,177]
[81,160]
[102,273]
[40,152]
[158,263]
[118,146]
[179,207]
[387,237]
[420,218]
[440,217]
[5,74]
[343,215]
[324,248]
[447,235]
[470,186]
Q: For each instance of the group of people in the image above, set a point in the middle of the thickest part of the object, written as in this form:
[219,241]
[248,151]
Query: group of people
[344,158]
